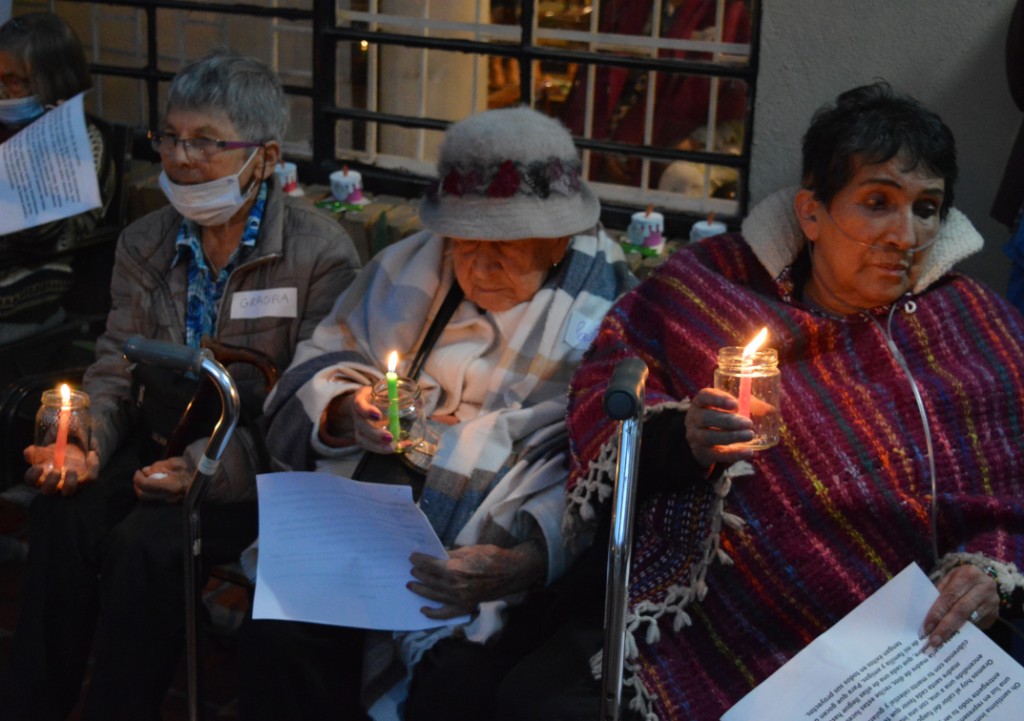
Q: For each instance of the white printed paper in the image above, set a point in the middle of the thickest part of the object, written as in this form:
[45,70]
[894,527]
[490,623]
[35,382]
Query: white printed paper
[46,170]
[872,666]
[269,303]
[581,331]
[336,551]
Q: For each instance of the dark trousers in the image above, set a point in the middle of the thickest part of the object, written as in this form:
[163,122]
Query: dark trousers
[102,555]
[293,671]
[512,680]
[296,671]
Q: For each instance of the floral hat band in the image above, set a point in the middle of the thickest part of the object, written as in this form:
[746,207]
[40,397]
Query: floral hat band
[509,174]
[538,179]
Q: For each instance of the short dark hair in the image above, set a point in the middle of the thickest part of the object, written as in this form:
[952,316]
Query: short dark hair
[51,51]
[873,124]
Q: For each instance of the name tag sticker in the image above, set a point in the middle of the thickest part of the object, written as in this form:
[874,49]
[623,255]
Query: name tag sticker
[269,303]
[581,331]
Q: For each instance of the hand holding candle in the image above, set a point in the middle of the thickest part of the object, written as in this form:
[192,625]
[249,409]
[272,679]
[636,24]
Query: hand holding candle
[748,357]
[62,455]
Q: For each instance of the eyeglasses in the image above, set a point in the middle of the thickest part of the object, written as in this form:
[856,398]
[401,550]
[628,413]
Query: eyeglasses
[196,148]
[14,83]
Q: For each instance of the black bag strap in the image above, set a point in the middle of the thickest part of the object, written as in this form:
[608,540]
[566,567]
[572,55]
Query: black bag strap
[444,314]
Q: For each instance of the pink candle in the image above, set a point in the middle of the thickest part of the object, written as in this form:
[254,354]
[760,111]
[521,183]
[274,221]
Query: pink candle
[748,356]
[62,427]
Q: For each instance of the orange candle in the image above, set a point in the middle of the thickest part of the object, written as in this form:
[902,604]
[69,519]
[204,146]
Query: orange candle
[748,355]
[62,427]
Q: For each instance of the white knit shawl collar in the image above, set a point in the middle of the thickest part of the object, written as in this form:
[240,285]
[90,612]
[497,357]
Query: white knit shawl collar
[773,232]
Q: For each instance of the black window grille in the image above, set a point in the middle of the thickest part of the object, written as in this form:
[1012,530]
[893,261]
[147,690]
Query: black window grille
[526,40]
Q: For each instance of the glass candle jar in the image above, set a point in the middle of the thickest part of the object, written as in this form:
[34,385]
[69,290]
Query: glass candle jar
[760,380]
[410,412]
[79,425]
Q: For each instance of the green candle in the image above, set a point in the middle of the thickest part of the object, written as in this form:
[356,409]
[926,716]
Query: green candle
[392,379]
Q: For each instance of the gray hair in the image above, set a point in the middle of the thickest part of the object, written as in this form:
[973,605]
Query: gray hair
[241,87]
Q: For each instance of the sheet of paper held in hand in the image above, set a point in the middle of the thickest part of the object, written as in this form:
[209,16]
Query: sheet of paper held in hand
[336,551]
[871,667]
[46,170]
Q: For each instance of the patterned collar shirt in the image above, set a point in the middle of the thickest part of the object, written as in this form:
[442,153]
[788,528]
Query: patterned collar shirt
[204,288]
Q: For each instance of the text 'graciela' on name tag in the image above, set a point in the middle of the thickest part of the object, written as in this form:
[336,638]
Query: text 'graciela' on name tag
[581,330]
[269,303]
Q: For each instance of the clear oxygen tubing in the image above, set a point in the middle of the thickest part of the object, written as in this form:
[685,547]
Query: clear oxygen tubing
[902,362]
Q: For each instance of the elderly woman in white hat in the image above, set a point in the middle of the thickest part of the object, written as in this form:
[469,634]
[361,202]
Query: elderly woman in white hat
[512,244]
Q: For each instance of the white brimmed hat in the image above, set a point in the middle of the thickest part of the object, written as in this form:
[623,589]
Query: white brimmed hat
[506,175]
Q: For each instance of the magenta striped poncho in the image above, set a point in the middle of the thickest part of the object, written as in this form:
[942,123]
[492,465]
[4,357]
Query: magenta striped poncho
[841,504]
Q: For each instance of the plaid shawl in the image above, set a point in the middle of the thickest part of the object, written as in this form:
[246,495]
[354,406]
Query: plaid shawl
[841,504]
[484,469]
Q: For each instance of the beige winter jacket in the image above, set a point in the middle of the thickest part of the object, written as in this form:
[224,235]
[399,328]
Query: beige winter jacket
[297,247]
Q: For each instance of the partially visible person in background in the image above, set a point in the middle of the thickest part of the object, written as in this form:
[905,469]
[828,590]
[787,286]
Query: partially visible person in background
[42,64]
[1009,202]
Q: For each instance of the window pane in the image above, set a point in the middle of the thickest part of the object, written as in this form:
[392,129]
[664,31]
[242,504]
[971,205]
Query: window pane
[298,140]
[621,109]
[413,82]
[479,20]
[110,34]
[284,45]
[694,30]
[691,179]
[121,100]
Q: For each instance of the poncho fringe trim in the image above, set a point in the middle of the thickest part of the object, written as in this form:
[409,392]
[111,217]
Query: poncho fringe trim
[581,512]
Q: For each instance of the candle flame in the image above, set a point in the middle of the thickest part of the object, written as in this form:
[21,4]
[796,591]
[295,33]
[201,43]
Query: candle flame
[751,349]
[392,361]
[65,394]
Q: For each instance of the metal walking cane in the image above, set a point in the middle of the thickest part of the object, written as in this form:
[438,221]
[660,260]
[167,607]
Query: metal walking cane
[201,363]
[623,402]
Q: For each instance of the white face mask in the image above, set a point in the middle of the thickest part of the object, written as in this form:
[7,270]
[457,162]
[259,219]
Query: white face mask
[212,203]
[19,111]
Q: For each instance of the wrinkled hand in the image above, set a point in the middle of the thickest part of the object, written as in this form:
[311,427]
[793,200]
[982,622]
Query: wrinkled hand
[715,431]
[79,468]
[163,482]
[962,591]
[354,418]
[473,574]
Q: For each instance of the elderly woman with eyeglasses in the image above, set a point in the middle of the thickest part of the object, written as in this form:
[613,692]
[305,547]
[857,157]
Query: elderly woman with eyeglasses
[105,538]
[901,404]
[42,64]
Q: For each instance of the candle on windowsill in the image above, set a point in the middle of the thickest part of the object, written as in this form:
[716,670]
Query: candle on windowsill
[647,230]
[706,229]
[347,186]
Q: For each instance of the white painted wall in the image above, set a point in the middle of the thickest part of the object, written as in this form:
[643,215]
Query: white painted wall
[946,53]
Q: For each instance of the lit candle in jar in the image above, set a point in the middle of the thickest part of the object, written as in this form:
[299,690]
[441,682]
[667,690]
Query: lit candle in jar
[62,427]
[392,378]
[748,356]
